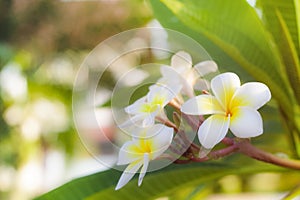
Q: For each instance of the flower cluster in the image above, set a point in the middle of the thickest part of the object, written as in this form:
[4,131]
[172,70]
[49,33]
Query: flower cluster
[232,106]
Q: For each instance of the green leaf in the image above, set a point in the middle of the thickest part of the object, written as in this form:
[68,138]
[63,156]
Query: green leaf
[163,182]
[297,8]
[166,183]
[289,10]
[293,194]
[282,23]
[289,56]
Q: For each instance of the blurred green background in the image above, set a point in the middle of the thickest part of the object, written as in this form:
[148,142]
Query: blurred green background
[42,44]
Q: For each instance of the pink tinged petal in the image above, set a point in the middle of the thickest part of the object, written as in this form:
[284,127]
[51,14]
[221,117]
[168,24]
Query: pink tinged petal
[252,94]
[135,108]
[224,86]
[246,122]
[144,168]
[213,130]
[206,67]
[181,61]
[128,173]
[202,105]
[129,153]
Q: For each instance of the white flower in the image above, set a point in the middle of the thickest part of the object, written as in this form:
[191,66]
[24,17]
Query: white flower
[181,72]
[233,107]
[139,151]
[145,109]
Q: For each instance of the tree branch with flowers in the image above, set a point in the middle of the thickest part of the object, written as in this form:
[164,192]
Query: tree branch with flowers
[232,107]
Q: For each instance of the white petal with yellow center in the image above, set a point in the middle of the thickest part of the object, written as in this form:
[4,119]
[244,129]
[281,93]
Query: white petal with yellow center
[246,122]
[202,105]
[135,108]
[224,86]
[253,94]
[129,153]
[213,130]
[139,151]
[162,94]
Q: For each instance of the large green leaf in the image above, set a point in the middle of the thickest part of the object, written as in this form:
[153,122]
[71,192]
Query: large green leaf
[163,182]
[166,183]
[288,10]
[280,17]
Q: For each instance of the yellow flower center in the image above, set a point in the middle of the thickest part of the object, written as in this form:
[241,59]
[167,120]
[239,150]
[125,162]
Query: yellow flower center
[152,106]
[148,108]
[158,100]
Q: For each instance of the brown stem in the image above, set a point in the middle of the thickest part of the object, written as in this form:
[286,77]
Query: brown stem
[175,105]
[168,123]
[246,148]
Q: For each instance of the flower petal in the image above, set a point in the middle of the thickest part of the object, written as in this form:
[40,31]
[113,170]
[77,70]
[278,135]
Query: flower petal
[150,132]
[135,108]
[144,168]
[175,80]
[162,94]
[213,130]
[169,75]
[253,94]
[187,87]
[181,61]
[149,119]
[202,105]
[206,67]
[133,120]
[202,84]
[246,122]
[129,153]
[161,141]
[224,86]
[128,173]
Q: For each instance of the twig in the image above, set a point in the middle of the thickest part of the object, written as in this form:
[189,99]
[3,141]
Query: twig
[246,148]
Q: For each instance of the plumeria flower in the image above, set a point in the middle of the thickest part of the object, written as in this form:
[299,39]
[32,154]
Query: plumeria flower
[181,72]
[140,151]
[145,109]
[233,106]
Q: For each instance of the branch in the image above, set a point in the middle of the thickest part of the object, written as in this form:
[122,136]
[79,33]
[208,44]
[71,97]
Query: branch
[246,148]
